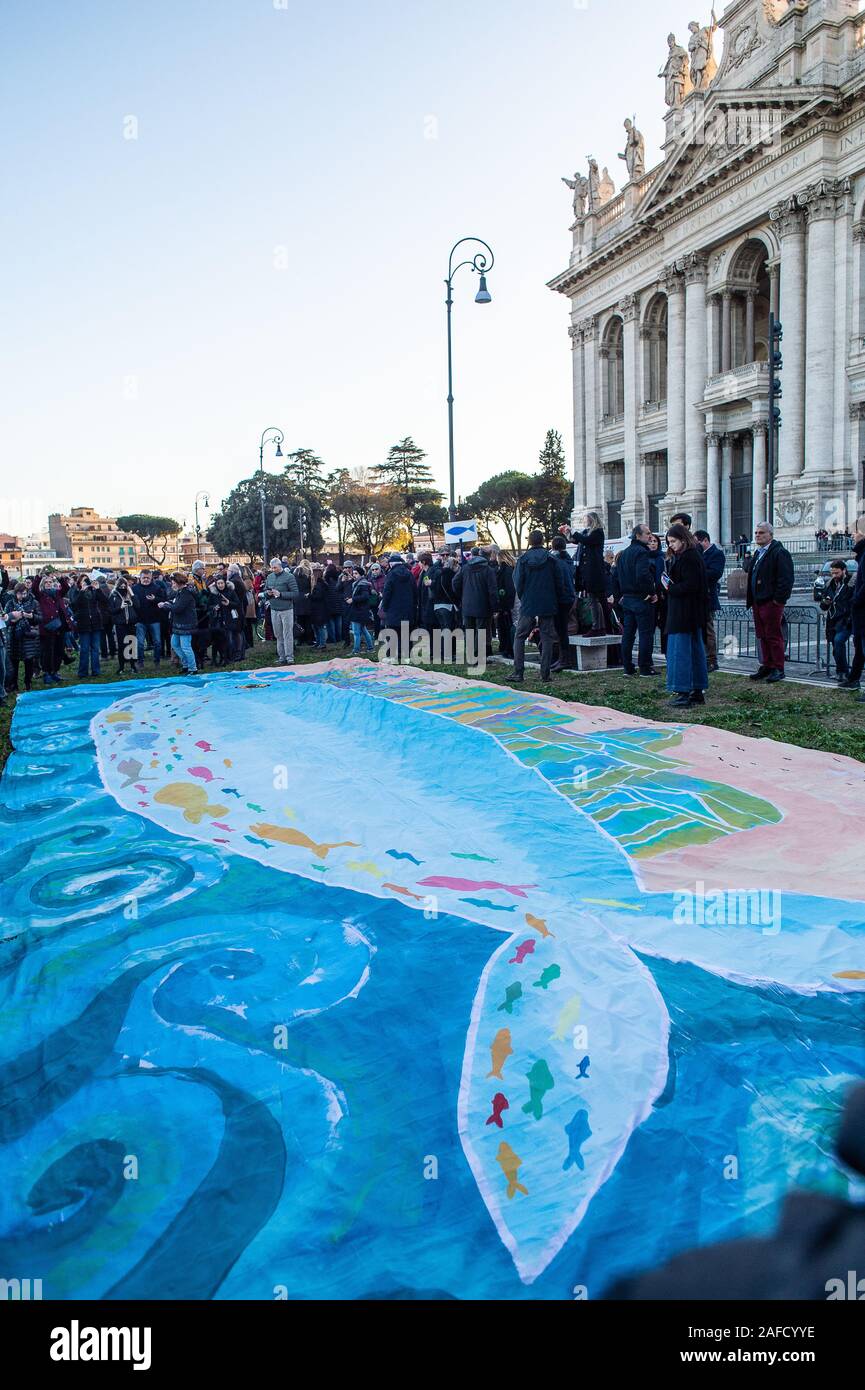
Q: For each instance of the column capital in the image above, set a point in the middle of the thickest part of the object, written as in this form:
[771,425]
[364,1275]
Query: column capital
[750,294]
[629,307]
[604,352]
[589,329]
[713,439]
[672,280]
[575,333]
[788,218]
[857,410]
[824,199]
[859,231]
[696,268]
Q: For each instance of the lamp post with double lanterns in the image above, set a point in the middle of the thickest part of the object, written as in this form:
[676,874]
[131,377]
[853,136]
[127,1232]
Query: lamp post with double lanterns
[269,436]
[199,497]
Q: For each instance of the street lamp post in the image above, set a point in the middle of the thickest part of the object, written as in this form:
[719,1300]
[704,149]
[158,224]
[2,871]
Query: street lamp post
[270,435]
[198,497]
[481,263]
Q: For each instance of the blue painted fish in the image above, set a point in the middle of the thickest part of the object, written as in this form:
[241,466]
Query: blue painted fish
[578,1132]
[512,994]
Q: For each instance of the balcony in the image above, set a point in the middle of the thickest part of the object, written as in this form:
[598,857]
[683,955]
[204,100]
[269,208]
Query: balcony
[747,383]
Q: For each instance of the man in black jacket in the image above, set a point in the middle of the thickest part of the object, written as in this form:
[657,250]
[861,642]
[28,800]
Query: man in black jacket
[770,584]
[560,552]
[148,593]
[477,593]
[539,582]
[715,562]
[858,609]
[635,573]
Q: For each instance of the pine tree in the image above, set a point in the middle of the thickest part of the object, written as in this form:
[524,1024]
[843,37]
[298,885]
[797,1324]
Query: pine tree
[553,493]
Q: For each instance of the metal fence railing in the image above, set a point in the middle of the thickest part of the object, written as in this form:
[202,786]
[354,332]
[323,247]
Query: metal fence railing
[804,631]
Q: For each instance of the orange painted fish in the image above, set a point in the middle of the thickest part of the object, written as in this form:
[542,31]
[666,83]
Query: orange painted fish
[538,924]
[287,836]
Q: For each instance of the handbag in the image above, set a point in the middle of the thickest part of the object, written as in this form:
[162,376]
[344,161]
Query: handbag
[53,625]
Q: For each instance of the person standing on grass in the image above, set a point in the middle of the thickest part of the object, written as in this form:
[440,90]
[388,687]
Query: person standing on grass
[687,611]
[89,609]
[281,590]
[540,587]
[360,613]
[124,615]
[770,584]
[565,659]
[857,607]
[183,609]
[637,578]
[715,562]
[56,622]
[147,593]
[318,607]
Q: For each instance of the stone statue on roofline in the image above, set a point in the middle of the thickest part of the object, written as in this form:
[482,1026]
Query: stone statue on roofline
[606,187]
[580,185]
[675,73]
[701,48]
[634,153]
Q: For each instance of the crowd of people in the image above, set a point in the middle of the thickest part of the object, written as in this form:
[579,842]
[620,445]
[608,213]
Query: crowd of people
[575,586]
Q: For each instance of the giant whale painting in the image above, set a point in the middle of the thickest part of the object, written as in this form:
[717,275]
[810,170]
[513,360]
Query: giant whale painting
[349,980]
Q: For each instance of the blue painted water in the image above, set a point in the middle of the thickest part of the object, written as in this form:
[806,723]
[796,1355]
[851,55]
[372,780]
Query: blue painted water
[156,1142]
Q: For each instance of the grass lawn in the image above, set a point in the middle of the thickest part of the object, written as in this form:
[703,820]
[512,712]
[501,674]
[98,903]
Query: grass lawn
[830,720]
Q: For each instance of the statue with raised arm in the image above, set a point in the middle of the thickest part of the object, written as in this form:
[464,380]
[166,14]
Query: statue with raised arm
[675,73]
[634,153]
[701,48]
[580,184]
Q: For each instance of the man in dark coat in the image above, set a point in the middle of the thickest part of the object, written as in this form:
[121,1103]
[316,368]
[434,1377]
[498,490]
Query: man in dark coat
[715,562]
[398,599]
[770,584]
[636,580]
[560,552]
[857,608]
[540,586]
[477,593]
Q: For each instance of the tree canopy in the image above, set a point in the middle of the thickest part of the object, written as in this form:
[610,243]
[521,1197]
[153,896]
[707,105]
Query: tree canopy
[154,533]
[506,499]
[236,528]
[553,492]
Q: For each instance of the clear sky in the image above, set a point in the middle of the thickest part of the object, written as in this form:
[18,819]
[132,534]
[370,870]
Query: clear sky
[271,248]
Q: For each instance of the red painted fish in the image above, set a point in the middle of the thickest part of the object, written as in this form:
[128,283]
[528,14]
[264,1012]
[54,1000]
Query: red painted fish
[469,884]
[203,772]
[524,949]
[500,1103]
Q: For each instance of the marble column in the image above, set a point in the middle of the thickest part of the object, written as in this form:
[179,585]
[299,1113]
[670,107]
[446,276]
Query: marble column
[632,508]
[726,331]
[674,285]
[726,490]
[790,225]
[713,485]
[594,482]
[696,370]
[715,335]
[774,268]
[750,342]
[821,204]
[758,495]
[580,498]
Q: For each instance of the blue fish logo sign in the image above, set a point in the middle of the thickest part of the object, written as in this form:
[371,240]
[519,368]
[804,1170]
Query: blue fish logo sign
[461,531]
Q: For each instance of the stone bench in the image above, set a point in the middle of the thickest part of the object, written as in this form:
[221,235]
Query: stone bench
[592,651]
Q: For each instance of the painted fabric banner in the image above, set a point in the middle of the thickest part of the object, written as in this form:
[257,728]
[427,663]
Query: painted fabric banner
[349,980]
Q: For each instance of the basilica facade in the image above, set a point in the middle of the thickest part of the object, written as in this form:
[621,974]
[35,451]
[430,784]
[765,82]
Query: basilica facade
[757,207]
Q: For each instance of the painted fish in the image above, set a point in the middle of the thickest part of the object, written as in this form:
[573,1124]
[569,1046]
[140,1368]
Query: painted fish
[131,769]
[251,806]
[849,975]
[364,866]
[481,858]
[500,1103]
[538,924]
[406,892]
[203,772]
[485,902]
[288,836]
[583,1069]
[546,977]
[204,745]
[140,741]
[540,1081]
[512,994]
[468,885]
[578,1132]
[525,948]
[120,716]
[500,1051]
[510,1164]
[568,1018]
[399,854]
[189,799]
[230,791]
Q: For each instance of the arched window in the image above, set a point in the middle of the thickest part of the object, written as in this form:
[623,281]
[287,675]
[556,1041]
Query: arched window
[748,285]
[613,356]
[654,336]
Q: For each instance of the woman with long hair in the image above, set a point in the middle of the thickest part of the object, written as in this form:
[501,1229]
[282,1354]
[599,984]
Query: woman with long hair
[687,613]
[591,572]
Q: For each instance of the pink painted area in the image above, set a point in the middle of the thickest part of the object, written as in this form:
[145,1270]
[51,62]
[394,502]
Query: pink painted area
[469,884]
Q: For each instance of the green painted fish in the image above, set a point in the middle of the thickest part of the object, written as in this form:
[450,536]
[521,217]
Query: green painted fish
[540,1081]
[551,973]
[512,994]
